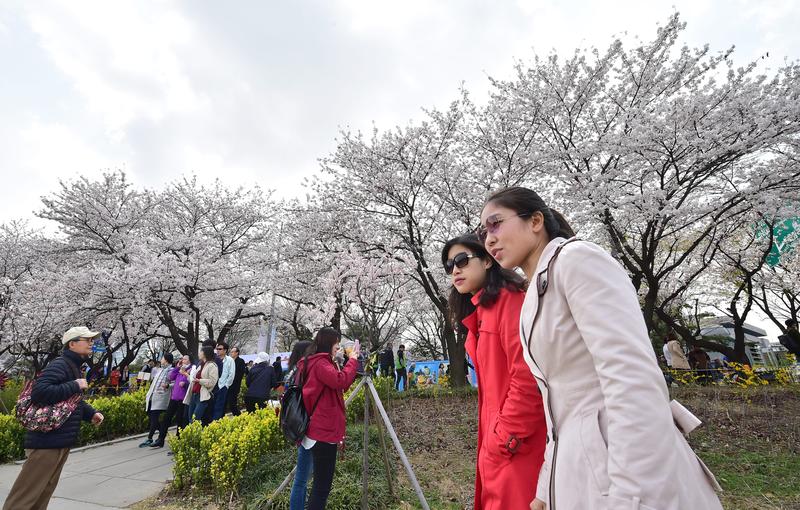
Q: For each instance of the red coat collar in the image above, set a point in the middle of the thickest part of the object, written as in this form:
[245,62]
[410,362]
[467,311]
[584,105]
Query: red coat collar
[471,320]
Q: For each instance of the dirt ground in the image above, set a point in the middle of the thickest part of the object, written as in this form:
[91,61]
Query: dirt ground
[743,432]
[439,436]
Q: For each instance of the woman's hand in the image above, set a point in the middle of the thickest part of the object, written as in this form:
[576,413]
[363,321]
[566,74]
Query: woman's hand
[538,504]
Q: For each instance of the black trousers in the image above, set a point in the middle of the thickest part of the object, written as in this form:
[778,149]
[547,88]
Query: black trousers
[387,371]
[251,403]
[177,410]
[401,374]
[154,423]
[324,467]
[208,416]
[232,400]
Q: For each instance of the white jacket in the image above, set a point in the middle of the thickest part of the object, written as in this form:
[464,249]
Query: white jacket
[612,443]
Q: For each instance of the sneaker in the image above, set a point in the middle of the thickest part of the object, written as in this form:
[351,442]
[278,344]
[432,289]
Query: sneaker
[157,444]
[170,453]
[146,443]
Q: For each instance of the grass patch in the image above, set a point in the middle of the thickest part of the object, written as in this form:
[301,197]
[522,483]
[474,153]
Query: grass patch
[346,491]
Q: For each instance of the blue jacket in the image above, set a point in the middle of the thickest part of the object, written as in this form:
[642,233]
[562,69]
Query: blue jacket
[260,380]
[55,384]
[228,373]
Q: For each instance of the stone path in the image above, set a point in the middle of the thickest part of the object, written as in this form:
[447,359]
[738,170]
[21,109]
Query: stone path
[112,476]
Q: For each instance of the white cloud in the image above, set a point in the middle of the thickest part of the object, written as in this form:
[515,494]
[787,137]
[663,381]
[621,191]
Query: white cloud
[257,91]
[122,57]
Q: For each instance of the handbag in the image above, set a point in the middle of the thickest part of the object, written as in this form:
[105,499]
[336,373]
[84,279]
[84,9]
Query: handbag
[44,417]
[294,418]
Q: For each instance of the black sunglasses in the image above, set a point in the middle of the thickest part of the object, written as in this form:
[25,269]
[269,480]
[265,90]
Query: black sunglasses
[459,261]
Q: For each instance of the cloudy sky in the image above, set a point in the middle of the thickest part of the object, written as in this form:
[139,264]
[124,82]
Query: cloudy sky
[256,91]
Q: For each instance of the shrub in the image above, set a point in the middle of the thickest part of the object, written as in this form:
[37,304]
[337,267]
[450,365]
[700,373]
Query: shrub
[9,394]
[385,387]
[218,455]
[123,415]
[11,437]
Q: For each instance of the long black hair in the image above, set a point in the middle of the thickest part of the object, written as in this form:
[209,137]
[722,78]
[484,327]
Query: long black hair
[527,202]
[324,341]
[298,351]
[497,278]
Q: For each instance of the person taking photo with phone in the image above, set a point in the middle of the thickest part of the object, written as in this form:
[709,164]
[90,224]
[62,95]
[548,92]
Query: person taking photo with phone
[323,396]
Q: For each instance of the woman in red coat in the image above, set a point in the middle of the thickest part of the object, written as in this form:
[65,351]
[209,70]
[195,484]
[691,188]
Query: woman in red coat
[485,302]
[323,398]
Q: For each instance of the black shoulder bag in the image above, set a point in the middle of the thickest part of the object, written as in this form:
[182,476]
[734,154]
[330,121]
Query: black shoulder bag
[294,418]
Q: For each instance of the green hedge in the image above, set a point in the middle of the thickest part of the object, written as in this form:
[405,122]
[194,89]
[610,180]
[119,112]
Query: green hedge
[124,415]
[385,387]
[217,456]
[9,394]
[11,437]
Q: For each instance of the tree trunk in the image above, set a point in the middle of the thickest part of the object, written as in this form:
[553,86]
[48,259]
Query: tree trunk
[739,352]
[455,350]
[442,337]
[648,310]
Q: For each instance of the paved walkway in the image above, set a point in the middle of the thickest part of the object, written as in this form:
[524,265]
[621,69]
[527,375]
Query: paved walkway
[106,477]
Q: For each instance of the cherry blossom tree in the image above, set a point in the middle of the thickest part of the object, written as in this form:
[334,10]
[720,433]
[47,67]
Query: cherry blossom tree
[737,275]
[17,257]
[778,294]
[39,297]
[196,255]
[208,251]
[651,150]
[381,191]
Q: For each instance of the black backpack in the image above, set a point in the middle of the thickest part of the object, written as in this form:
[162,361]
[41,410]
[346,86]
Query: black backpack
[294,418]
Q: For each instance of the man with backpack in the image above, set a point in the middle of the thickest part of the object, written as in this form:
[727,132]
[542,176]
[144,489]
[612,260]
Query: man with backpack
[47,451]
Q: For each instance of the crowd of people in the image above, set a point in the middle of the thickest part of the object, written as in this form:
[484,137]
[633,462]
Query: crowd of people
[179,391]
[205,391]
[393,366]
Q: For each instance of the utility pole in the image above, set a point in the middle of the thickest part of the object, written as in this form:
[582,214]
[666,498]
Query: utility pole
[272,334]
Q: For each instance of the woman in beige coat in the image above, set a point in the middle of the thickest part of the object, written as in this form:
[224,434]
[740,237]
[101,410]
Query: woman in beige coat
[612,442]
[677,355]
[201,382]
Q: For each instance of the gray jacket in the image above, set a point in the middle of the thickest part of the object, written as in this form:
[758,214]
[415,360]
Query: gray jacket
[157,396]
